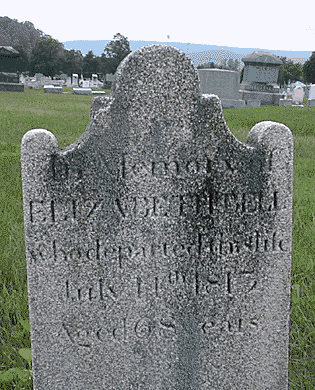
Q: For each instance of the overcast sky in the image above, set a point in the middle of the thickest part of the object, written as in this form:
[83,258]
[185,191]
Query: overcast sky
[265,25]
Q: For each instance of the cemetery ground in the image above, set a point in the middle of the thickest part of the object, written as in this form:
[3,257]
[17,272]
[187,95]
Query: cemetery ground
[67,116]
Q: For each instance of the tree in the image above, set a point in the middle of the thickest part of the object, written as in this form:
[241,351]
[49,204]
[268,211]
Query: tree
[223,64]
[23,60]
[90,64]
[289,71]
[21,36]
[208,65]
[72,62]
[115,51]
[47,56]
[309,69]
[104,64]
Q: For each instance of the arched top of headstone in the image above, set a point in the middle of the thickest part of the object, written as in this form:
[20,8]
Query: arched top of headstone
[156,103]
[151,72]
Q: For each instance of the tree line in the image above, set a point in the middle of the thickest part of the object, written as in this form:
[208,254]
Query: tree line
[40,53]
[50,58]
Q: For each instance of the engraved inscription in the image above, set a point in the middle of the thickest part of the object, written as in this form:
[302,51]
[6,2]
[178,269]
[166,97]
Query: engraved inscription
[195,204]
[199,284]
[65,171]
[145,328]
[51,211]
[201,205]
[118,256]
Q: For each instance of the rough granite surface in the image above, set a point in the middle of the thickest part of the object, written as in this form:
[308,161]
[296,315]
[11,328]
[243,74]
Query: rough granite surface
[158,246]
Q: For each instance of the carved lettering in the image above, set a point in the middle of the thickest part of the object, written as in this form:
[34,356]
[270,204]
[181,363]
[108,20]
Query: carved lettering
[85,334]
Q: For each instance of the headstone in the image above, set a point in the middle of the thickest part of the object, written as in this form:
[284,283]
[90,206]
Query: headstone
[94,82]
[46,81]
[85,84]
[312,91]
[223,83]
[297,96]
[252,103]
[52,89]
[38,76]
[57,83]
[11,78]
[32,84]
[158,246]
[47,88]
[306,89]
[75,79]
[311,98]
[109,78]
[9,64]
[260,78]
[98,92]
[82,91]
[9,59]
[285,102]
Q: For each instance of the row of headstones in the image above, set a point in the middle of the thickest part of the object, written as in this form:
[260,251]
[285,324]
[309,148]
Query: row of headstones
[297,96]
[55,86]
[40,79]
[85,83]
[76,91]
[289,89]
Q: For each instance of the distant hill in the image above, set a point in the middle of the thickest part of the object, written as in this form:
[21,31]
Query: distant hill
[198,53]
[24,35]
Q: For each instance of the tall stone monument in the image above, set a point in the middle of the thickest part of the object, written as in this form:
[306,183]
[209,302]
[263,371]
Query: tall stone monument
[260,78]
[158,246]
[9,79]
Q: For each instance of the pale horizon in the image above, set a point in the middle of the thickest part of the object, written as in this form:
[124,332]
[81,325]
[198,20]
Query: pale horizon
[230,24]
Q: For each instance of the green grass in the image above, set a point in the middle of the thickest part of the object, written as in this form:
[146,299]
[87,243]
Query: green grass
[67,116]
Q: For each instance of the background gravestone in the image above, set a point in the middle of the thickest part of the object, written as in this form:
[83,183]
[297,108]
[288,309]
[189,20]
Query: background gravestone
[298,95]
[159,246]
[223,83]
[260,78]
[311,97]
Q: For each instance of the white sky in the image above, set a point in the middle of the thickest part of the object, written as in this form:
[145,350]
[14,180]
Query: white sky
[265,25]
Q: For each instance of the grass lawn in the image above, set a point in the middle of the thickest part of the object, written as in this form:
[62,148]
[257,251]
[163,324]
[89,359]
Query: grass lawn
[67,117]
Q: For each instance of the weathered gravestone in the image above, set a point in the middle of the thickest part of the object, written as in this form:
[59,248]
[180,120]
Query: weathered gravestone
[159,246]
[298,95]
[311,97]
